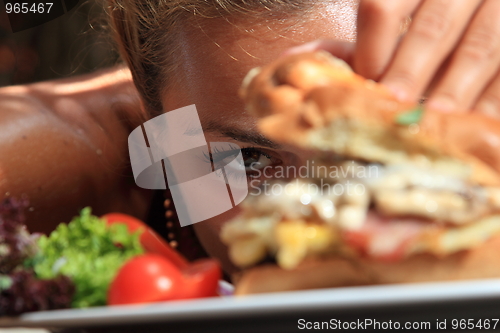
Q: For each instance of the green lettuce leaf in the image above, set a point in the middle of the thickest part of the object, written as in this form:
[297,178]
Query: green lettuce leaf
[410,117]
[89,252]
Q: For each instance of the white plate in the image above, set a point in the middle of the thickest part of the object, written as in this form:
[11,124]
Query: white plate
[266,304]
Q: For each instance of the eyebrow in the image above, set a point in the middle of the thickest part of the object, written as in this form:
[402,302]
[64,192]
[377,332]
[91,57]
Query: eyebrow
[241,135]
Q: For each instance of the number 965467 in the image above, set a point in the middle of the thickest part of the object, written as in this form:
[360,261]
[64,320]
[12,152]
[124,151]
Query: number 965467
[28,8]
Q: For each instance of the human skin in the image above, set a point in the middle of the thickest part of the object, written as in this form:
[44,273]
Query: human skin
[215,56]
[63,145]
[453,47]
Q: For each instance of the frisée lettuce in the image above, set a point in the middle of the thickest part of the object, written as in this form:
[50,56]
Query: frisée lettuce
[89,252]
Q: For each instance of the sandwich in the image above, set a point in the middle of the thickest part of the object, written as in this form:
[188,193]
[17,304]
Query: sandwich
[401,193]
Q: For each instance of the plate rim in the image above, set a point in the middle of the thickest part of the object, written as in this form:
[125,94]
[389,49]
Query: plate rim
[345,298]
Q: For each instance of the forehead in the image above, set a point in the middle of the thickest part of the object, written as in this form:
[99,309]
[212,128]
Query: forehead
[215,55]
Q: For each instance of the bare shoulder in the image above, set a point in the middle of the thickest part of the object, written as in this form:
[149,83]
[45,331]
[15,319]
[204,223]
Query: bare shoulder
[63,144]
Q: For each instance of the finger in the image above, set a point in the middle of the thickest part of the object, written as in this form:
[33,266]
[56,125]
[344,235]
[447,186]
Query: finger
[489,102]
[379,28]
[434,32]
[339,49]
[473,64]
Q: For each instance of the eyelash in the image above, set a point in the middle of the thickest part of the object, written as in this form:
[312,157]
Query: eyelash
[220,154]
[223,153]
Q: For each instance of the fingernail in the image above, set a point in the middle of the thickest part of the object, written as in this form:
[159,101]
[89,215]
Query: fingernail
[398,92]
[441,104]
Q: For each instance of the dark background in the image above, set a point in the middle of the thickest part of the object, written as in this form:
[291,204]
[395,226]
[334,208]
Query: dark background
[75,43]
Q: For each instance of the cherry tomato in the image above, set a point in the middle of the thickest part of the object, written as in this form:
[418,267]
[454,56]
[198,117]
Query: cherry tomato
[201,279]
[150,240]
[145,278]
[153,278]
[135,282]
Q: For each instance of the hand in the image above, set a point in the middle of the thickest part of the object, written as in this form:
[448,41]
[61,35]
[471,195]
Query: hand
[451,50]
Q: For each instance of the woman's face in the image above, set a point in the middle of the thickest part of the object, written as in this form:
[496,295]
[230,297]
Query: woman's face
[215,57]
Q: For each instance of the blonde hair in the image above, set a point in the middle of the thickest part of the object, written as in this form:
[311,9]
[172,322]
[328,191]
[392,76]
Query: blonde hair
[145,31]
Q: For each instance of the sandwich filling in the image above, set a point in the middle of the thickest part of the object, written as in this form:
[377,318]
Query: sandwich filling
[387,213]
[395,196]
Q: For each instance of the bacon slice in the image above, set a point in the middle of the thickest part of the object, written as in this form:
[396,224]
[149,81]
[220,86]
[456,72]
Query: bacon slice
[386,238]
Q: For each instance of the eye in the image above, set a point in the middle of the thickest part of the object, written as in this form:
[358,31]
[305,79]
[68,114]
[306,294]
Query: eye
[255,159]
